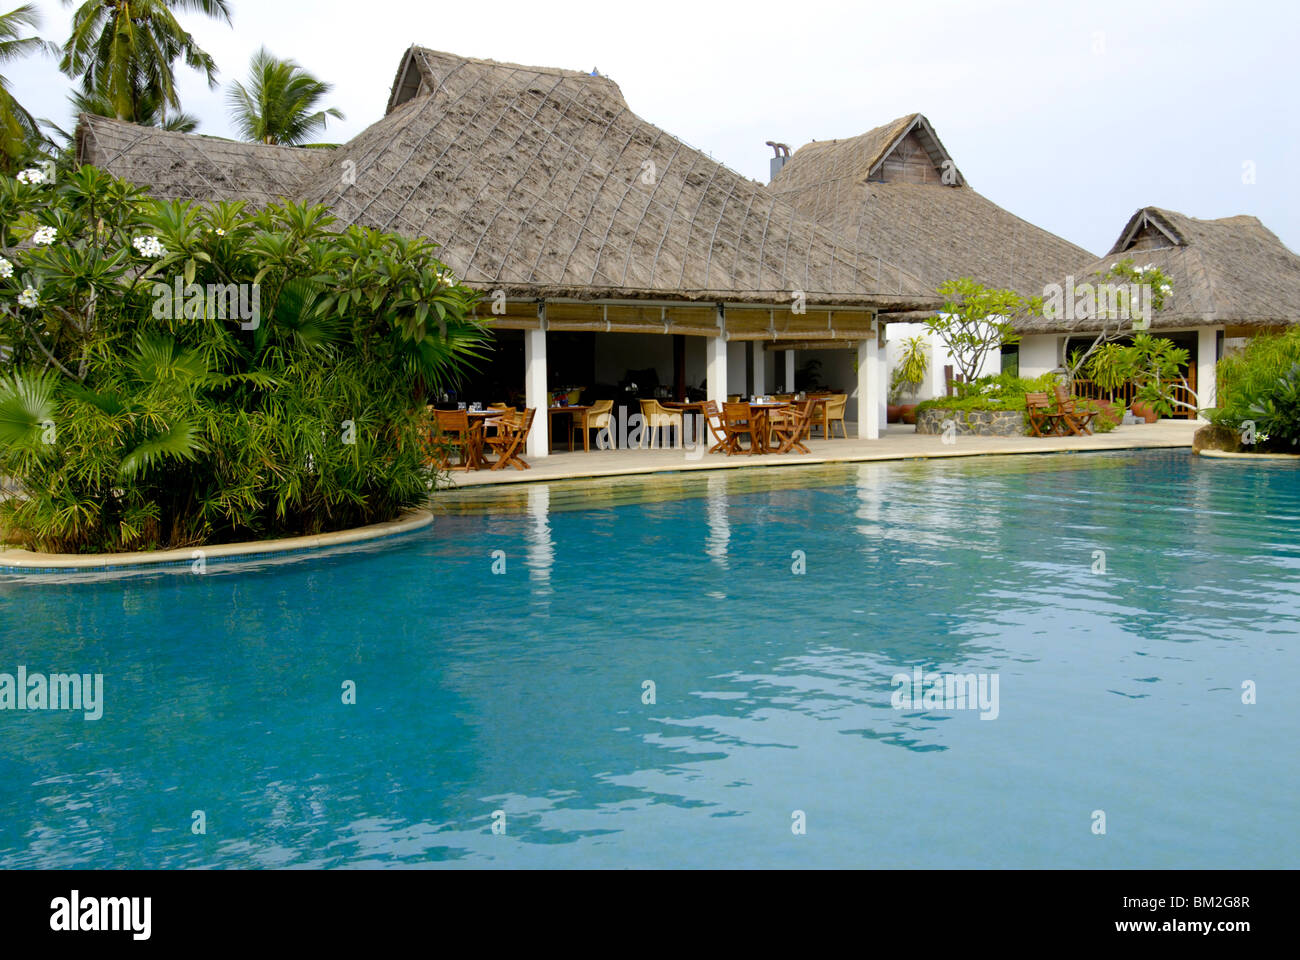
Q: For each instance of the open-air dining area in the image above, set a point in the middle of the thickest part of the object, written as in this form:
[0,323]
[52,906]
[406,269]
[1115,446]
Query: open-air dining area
[616,392]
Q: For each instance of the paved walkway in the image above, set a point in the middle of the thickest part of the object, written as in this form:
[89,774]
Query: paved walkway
[898,443]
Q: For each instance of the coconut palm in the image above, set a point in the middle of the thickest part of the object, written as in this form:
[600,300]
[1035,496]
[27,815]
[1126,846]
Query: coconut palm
[279,103]
[18,128]
[149,112]
[126,51]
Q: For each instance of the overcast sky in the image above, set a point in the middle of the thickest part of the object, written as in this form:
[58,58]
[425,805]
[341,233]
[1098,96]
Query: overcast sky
[1070,114]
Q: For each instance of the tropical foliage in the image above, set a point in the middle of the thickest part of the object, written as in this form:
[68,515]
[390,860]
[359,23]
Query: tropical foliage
[180,374]
[909,373]
[1006,391]
[149,111]
[976,320]
[19,131]
[1256,391]
[1156,368]
[1122,302]
[279,104]
[125,53]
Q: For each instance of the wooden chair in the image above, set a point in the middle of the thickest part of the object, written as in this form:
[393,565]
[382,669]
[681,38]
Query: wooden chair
[791,425]
[1078,421]
[459,435]
[655,417]
[1038,410]
[713,417]
[490,428]
[597,418]
[510,439]
[736,423]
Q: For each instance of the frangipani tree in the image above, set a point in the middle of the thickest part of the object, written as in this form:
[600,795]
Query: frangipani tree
[975,320]
[1121,301]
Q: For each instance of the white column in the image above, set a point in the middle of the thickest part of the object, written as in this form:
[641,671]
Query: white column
[539,440]
[1207,384]
[789,371]
[715,358]
[760,368]
[868,389]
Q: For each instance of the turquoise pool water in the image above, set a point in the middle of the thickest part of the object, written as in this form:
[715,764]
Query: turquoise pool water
[522,691]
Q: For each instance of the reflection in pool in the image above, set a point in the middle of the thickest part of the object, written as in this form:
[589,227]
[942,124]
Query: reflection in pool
[526,691]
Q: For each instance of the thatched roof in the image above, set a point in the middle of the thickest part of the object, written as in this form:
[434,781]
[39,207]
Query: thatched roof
[186,166]
[1229,271]
[543,182]
[897,191]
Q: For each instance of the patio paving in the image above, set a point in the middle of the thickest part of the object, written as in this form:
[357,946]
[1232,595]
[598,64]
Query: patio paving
[899,442]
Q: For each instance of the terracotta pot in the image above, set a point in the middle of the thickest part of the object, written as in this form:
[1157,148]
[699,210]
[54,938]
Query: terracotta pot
[908,412]
[894,413]
[1140,409]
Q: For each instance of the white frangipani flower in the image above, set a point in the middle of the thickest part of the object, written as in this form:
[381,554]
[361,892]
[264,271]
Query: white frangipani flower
[29,297]
[45,235]
[148,246]
[6,269]
[32,175]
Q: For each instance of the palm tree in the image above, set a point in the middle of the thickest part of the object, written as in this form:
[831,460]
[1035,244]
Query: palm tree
[124,50]
[149,112]
[278,105]
[18,128]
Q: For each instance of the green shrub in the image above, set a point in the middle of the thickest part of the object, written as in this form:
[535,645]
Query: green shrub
[183,374]
[1277,411]
[1005,391]
[1246,378]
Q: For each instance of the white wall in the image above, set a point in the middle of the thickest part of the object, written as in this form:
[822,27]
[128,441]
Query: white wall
[934,385]
[1039,353]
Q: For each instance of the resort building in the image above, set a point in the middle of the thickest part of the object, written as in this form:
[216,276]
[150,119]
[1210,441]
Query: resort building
[1232,278]
[607,250]
[896,190]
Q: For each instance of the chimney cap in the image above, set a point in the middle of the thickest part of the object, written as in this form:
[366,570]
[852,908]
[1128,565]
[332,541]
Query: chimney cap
[779,149]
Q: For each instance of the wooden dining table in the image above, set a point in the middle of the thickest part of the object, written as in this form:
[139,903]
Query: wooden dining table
[575,410]
[478,421]
[761,432]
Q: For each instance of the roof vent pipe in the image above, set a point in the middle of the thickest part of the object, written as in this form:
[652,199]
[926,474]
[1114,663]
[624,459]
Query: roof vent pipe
[782,151]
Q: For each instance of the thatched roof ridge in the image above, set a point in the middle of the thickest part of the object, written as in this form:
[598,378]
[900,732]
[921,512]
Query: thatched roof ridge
[938,230]
[1228,271]
[186,166]
[538,179]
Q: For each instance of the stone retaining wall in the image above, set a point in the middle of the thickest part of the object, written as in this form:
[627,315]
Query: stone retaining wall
[984,423]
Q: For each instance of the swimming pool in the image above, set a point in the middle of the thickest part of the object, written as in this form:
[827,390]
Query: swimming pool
[502,718]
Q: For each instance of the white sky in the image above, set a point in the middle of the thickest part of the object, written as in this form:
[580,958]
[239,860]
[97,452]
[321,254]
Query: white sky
[1071,115]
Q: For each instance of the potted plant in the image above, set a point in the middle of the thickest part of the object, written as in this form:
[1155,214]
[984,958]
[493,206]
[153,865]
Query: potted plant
[1112,365]
[1153,365]
[909,374]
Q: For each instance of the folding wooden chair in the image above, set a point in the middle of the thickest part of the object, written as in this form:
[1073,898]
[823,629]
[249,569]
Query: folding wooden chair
[1038,410]
[458,435]
[737,421]
[1078,421]
[511,438]
[713,417]
[793,424]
